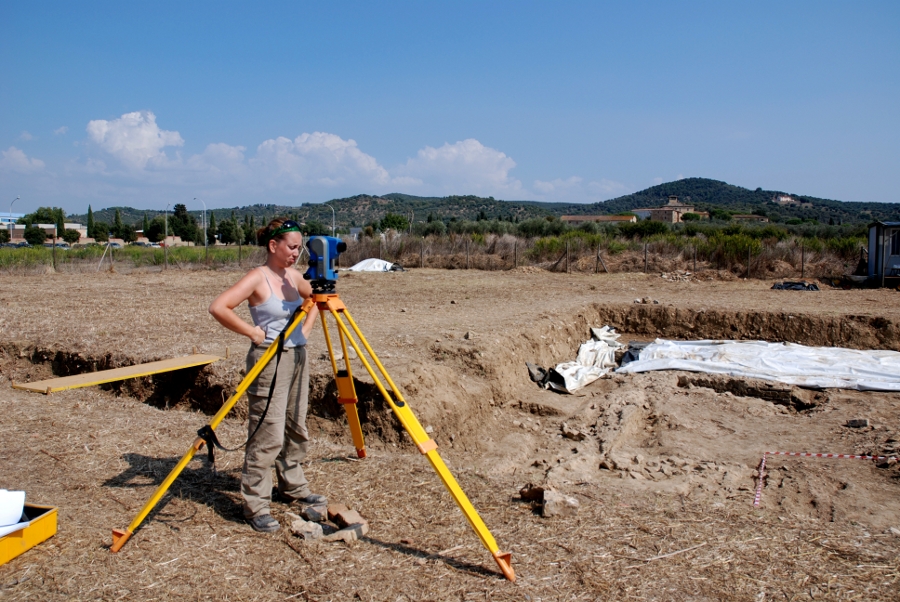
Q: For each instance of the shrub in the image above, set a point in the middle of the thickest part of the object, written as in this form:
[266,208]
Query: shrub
[642,229]
[35,236]
[71,236]
[845,248]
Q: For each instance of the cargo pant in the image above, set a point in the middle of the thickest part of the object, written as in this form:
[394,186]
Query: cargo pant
[283,438]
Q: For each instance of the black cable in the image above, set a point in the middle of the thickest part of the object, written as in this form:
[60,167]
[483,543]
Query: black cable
[209,435]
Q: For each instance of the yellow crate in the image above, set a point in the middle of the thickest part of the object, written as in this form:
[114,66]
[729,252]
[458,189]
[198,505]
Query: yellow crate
[42,526]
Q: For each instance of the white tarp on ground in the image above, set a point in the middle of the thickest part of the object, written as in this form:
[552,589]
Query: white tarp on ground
[596,357]
[811,367]
[372,265]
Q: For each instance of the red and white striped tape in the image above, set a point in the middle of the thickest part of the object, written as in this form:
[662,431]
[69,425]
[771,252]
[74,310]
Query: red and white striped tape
[762,465]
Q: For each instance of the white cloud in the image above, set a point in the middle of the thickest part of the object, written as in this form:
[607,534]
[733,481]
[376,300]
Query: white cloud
[575,190]
[311,166]
[14,159]
[134,139]
[26,136]
[319,159]
[466,167]
[558,185]
[608,188]
[219,158]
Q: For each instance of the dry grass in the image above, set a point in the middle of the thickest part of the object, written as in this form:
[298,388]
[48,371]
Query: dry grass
[98,456]
[106,454]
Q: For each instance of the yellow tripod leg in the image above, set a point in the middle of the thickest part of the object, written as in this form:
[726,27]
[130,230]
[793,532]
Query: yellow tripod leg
[344,380]
[426,445]
[121,536]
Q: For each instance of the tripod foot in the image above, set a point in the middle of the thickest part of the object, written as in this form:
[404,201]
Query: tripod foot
[119,539]
[504,561]
[361,453]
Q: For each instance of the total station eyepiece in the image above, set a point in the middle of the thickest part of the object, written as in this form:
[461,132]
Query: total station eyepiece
[323,254]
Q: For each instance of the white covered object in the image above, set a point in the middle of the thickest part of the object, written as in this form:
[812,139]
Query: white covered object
[372,265]
[596,357]
[811,367]
[12,504]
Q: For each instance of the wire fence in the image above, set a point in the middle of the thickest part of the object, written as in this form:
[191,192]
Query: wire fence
[597,254]
[738,255]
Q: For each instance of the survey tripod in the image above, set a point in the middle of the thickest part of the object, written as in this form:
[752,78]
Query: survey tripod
[329,303]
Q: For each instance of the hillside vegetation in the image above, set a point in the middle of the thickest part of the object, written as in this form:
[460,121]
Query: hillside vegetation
[703,193]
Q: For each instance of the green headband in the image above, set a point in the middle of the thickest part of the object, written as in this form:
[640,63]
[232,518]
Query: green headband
[287,226]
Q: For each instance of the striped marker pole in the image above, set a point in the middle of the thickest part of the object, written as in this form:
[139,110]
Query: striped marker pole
[761,474]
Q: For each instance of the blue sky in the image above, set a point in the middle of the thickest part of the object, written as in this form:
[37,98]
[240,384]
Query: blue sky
[123,103]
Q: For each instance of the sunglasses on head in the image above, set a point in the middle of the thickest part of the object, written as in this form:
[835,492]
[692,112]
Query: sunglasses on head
[285,227]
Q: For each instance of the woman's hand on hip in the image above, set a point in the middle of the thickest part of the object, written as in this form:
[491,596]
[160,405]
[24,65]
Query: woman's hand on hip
[258,336]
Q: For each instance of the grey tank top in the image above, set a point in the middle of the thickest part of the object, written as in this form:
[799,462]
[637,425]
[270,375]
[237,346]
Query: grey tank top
[272,316]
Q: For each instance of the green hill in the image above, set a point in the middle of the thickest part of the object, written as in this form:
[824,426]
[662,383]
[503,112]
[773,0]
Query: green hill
[703,193]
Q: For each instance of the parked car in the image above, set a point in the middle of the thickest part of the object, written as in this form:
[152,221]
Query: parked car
[154,245]
[61,245]
[115,245]
[23,245]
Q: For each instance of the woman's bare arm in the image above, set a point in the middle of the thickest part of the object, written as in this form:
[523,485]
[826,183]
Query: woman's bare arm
[222,308]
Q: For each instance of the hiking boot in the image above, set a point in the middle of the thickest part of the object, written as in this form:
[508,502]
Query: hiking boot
[264,523]
[313,499]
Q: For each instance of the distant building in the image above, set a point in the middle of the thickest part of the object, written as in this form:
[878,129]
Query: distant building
[7,218]
[750,217]
[175,241]
[574,220]
[786,200]
[884,252]
[17,231]
[671,212]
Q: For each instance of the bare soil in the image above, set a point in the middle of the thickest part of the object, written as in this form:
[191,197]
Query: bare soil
[665,472]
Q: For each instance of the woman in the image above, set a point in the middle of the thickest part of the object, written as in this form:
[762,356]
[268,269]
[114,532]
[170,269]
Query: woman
[274,290]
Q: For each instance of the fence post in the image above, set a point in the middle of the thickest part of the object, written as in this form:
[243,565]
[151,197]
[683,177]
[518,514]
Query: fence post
[802,261]
[645,258]
[567,257]
[467,253]
[695,260]
[597,261]
[748,261]
[600,259]
[516,253]
[54,248]
[422,254]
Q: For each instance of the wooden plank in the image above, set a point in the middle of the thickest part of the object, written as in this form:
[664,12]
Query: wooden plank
[89,379]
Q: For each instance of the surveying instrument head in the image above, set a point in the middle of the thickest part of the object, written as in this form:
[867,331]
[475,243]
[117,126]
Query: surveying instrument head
[323,254]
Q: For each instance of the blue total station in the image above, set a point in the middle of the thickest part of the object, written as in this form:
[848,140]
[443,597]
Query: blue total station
[323,255]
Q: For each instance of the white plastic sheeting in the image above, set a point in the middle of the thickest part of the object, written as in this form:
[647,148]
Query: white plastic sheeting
[372,265]
[596,357]
[12,503]
[811,367]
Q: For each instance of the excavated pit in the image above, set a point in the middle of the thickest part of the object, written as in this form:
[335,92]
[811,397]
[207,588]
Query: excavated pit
[689,434]
[499,362]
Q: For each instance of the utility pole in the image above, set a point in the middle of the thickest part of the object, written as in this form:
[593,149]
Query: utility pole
[166,238]
[332,219]
[11,219]
[205,239]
